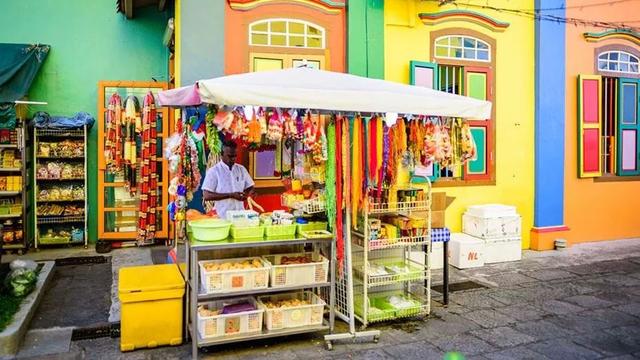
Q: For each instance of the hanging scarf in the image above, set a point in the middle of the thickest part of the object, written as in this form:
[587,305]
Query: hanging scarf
[340,163]
[113,133]
[148,173]
[330,191]
[357,170]
[131,114]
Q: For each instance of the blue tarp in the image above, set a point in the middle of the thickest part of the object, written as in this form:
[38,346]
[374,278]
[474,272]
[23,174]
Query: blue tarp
[19,64]
[43,120]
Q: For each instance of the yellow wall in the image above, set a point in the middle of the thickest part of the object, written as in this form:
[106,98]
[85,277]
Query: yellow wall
[407,38]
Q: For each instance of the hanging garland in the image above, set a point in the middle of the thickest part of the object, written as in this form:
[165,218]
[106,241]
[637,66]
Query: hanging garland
[129,124]
[148,173]
[330,193]
[113,134]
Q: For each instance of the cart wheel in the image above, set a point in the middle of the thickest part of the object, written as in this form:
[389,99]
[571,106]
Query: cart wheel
[329,345]
[375,339]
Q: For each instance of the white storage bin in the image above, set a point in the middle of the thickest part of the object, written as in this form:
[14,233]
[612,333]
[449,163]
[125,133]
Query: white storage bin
[503,250]
[294,316]
[437,261]
[491,210]
[230,324]
[314,272]
[466,251]
[217,281]
[492,227]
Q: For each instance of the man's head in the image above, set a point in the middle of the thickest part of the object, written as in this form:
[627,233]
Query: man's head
[229,153]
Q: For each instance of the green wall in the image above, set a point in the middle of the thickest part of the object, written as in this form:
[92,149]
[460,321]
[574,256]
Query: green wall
[89,42]
[365,38]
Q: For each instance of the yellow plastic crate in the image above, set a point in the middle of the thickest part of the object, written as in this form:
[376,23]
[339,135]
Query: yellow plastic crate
[151,313]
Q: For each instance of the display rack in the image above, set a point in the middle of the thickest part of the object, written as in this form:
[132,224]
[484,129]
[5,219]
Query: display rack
[14,191]
[60,183]
[367,287]
[198,250]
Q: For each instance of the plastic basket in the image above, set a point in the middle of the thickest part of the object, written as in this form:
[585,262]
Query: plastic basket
[294,316]
[383,303]
[230,324]
[314,272]
[312,206]
[216,281]
[280,231]
[54,240]
[210,229]
[374,313]
[311,226]
[243,233]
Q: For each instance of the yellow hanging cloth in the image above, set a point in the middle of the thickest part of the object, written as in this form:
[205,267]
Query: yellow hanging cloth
[356,179]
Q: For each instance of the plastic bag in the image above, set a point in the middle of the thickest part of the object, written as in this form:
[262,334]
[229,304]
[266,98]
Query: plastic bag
[20,282]
[23,264]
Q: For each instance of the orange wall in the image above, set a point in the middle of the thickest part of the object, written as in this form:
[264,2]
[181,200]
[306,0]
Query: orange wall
[236,33]
[594,211]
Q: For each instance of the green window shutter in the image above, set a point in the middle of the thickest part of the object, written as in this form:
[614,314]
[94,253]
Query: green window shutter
[425,74]
[628,134]
[478,85]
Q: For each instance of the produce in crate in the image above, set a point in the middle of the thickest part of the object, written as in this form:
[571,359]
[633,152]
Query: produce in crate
[286,260]
[286,303]
[246,264]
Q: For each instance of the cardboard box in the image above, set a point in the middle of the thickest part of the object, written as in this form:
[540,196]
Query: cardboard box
[437,219]
[466,251]
[438,201]
[492,227]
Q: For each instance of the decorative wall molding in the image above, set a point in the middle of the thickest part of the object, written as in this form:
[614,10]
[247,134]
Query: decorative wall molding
[463,15]
[621,34]
[327,6]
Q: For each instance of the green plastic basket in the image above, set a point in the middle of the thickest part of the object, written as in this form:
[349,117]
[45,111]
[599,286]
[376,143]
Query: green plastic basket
[210,229]
[383,303]
[247,233]
[311,226]
[54,240]
[375,313]
[280,231]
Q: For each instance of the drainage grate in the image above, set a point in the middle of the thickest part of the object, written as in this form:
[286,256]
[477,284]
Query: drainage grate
[83,260]
[461,286]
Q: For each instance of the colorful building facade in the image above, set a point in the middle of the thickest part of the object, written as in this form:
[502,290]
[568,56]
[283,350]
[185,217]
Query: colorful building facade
[601,134]
[90,42]
[468,50]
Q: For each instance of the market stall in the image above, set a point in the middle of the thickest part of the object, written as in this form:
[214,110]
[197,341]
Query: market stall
[358,147]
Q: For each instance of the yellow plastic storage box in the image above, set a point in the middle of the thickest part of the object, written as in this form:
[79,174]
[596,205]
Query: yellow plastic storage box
[151,298]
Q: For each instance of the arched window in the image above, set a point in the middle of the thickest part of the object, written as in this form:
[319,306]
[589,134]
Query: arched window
[286,33]
[462,47]
[618,61]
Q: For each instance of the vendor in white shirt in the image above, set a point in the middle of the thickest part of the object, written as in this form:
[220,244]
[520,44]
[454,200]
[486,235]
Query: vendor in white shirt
[227,183]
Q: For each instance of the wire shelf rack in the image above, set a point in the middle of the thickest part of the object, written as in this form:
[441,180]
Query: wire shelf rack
[60,132]
[60,219]
[395,207]
[382,244]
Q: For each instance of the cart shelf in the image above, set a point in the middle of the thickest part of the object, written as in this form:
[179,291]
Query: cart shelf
[61,179]
[8,146]
[60,132]
[382,244]
[3,169]
[264,334]
[200,250]
[10,216]
[209,297]
[40,157]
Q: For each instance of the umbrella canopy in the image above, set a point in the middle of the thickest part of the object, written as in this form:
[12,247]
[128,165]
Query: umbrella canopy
[306,88]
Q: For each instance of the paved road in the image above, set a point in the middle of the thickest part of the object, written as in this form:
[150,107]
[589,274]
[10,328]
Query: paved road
[583,303]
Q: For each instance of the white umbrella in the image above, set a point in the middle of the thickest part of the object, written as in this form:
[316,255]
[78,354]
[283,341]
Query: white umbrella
[306,88]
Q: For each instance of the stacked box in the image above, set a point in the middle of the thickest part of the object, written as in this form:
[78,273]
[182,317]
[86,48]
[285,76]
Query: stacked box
[438,237]
[499,226]
[466,251]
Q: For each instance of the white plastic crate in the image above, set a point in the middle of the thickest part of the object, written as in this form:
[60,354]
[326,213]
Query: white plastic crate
[216,281]
[295,316]
[503,250]
[492,227]
[491,210]
[437,261]
[230,324]
[314,272]
[466,251]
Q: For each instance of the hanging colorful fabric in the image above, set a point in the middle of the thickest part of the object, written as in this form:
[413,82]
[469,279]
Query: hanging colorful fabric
[340,162]
[330,173]
[468,144]
[148,173]
[131,114]
[113,133]
[213,139]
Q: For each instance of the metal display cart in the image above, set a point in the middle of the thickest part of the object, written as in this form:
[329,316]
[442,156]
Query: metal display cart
[199,250]
[14,197]
[367,286]
[65,219]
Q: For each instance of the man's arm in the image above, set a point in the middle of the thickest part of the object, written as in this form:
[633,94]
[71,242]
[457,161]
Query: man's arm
[214,196]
